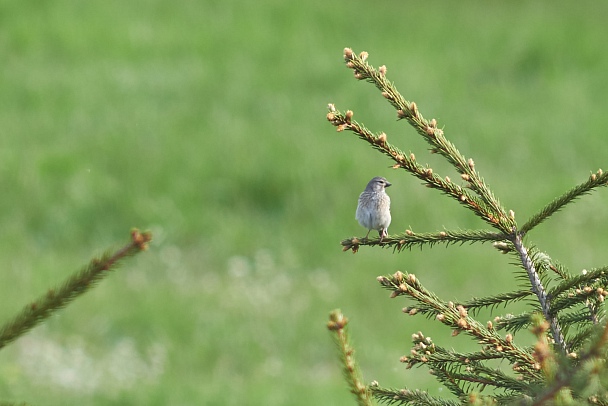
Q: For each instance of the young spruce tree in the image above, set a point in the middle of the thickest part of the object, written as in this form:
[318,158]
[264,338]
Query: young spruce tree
[567,363]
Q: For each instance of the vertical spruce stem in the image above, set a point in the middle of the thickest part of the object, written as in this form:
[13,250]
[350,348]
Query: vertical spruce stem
[539,290]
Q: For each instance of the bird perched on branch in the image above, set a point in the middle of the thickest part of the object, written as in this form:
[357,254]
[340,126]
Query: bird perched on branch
[374,208]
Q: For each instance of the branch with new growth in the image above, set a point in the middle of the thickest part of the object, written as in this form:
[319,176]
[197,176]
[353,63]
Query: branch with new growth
[567,316]
[77,284]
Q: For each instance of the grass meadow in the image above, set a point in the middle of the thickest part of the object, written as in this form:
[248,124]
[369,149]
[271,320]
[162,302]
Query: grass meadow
[204,122]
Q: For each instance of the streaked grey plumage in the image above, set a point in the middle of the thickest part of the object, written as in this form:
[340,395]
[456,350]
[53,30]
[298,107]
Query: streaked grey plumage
[374,208]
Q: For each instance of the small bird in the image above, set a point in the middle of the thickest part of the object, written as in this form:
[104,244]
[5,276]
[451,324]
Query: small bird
[374,208]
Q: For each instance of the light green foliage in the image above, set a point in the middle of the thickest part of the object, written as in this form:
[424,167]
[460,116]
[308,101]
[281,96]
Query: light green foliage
[203,121]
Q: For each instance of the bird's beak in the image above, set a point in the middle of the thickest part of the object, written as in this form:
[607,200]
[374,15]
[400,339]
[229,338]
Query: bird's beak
[388,184]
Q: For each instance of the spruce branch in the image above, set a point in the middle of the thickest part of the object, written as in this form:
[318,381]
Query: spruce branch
[583,315]
[464,373]
[578,281]
[560,270]
[458,319]
[409,239]
[595,180]
[587,289]
[477,303]
[461,372]
[474,305]
[478,376]
[337,325]
[429,131]
[77,284]
[450,379]
[441,354]
[408,397]
[344,122]
[405,161]
[513,323]
[578,340]
[579,297]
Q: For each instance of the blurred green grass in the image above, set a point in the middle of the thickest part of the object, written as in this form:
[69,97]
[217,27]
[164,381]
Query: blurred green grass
[205,123]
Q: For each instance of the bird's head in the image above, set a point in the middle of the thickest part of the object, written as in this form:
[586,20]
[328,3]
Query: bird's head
[377,184]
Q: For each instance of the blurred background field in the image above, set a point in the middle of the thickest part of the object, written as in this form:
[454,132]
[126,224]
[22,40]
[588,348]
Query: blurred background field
[204,122]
